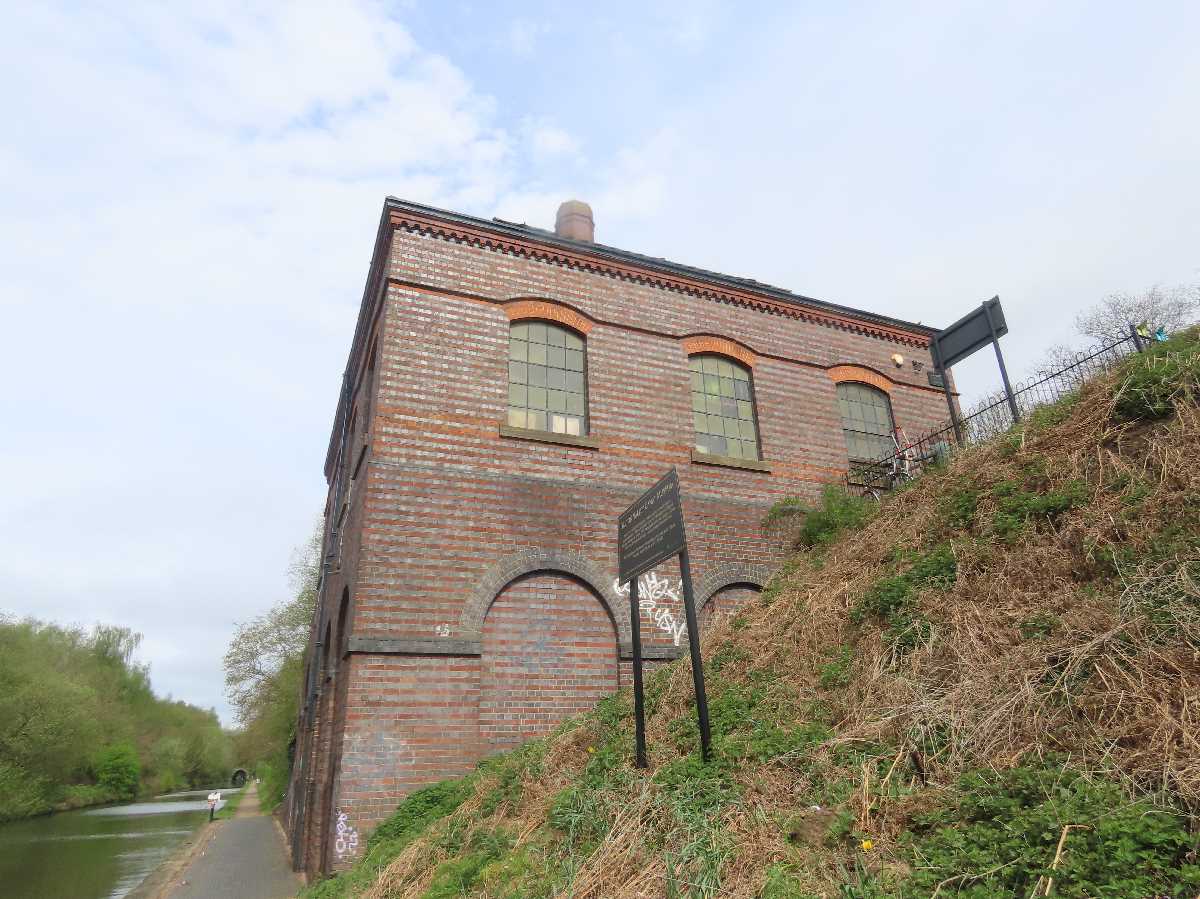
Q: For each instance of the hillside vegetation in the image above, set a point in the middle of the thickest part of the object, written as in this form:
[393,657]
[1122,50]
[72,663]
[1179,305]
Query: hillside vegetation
[987,687]
[80,724]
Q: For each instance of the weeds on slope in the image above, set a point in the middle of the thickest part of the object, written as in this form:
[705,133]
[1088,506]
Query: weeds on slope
[992,681]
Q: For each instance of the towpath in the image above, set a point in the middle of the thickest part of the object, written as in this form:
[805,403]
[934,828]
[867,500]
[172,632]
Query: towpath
[245,858]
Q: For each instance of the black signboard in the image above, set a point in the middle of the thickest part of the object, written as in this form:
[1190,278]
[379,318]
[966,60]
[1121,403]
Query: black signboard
[970,333]
[650,530]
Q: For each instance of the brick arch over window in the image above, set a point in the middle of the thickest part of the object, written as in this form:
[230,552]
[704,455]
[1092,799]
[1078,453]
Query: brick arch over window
[541,560]
[725,589]
[547,310]
[861,374]
[728,575]
[722,346]
[549,650]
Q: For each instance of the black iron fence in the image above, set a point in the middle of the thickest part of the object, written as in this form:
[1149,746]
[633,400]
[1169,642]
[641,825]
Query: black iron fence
[988,418]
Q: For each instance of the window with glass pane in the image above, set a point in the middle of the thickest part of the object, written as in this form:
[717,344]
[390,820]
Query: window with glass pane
[547,381]
[723,408]
[866,421]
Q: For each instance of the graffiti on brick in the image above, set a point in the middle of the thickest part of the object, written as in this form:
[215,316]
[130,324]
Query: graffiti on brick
[653,592]
[442,630]
[345,837]
[376,749]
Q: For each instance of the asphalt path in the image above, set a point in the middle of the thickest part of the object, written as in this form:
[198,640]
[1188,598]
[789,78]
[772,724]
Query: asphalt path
[245,859]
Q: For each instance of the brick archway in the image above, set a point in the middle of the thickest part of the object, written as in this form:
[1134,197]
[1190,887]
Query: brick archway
[728,575]
[531,561]
[548,651]
[548,310]
[725,589]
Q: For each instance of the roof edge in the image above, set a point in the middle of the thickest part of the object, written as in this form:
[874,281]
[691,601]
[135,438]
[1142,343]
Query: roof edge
[662,266]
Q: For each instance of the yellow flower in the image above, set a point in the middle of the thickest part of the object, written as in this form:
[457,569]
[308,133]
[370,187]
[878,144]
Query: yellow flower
[868,845]
[591,749]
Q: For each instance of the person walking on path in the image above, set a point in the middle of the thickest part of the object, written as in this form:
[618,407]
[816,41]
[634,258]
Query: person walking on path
[244,858]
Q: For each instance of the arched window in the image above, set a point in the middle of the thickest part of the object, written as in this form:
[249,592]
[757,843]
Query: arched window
[343,611]
[723,407]
[866,421]
[547,379]
[326,655]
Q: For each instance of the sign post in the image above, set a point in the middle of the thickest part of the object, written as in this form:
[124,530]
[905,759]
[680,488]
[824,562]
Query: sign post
[649,532]
[639,699]
[972,332]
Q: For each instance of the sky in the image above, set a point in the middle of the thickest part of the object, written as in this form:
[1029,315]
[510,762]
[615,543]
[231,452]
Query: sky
[188,199]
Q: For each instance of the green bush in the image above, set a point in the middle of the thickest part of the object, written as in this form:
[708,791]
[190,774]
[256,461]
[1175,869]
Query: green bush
[957,509]
[839,511]
[1003,832]
[581,817]
[420,809]
[118,770]
[891,595]
[22,794]
[83,796]
[1017,505]
[836,672]
[1051,414]
[1157,380]
[457,876]
[894,599]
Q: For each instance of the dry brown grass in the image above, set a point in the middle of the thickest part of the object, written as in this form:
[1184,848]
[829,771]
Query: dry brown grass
[1112,677]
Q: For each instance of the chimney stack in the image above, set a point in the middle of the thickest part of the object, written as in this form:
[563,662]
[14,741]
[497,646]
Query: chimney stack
[575,222]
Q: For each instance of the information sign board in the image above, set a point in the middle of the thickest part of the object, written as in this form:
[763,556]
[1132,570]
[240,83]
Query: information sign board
[650,530]
[970,333]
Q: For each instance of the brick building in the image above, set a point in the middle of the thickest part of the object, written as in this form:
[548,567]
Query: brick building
[509,391]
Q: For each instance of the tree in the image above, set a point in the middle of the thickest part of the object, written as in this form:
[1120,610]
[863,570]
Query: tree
[119,770]
[261,646]
[1172,308]
[263,673]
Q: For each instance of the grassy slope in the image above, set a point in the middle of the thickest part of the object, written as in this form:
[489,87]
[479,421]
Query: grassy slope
[992,681]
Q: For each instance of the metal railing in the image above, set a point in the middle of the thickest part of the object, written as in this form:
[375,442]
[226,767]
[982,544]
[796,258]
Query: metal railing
[988,418]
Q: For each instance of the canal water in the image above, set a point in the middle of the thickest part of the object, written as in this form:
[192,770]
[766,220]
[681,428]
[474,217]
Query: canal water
[100,853]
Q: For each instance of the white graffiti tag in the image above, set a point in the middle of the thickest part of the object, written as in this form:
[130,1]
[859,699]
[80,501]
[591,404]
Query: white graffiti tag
[347,837]
[651,591]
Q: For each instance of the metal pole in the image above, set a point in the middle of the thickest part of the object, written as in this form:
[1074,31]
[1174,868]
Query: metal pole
[689,610]
[1137,338]
[937,353]
[1008,391]
[639,701]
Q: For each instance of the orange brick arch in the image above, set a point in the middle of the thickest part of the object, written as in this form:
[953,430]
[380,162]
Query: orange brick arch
[722,346]
[548,311]
[861,373]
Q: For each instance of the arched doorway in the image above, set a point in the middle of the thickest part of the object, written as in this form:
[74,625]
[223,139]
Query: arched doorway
[549,651]
[725,602]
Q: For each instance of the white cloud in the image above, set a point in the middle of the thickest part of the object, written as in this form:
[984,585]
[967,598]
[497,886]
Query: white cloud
[190,198]
[190,203]
[547,140]
[523,35]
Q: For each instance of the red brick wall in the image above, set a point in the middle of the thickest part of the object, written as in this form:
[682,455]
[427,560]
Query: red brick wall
[481,566]
[725,603]
[549,652]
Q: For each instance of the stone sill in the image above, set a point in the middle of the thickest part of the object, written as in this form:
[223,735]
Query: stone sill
[653,652]
[730,462]
[587,442]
